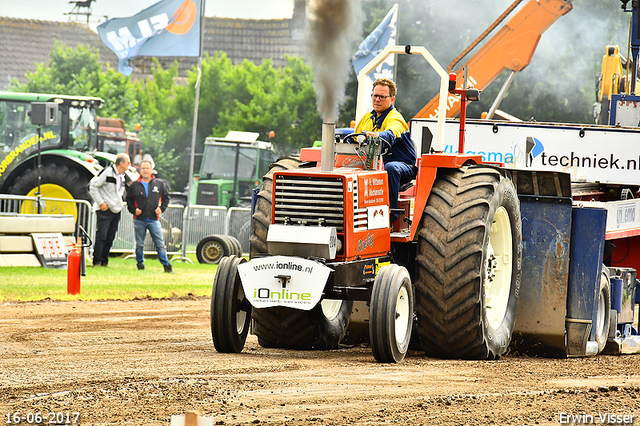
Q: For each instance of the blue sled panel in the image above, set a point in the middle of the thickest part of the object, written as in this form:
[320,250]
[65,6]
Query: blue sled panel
[540,318]
[585,267]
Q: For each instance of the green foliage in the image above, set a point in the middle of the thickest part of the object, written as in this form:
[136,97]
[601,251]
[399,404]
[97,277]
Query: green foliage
[244,97]
[281,100]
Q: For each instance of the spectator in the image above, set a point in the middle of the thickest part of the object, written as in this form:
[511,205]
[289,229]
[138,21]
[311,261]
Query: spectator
[147,198]
[106,190]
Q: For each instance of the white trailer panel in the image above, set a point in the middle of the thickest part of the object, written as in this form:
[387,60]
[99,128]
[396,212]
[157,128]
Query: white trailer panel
[590,153]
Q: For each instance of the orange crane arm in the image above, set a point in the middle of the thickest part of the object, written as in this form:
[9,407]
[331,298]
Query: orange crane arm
[511,48]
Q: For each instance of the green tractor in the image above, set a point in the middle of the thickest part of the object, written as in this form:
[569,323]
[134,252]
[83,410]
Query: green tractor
[66,149]
[231,168]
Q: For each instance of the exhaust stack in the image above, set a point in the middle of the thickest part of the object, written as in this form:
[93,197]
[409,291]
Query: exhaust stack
[328,147]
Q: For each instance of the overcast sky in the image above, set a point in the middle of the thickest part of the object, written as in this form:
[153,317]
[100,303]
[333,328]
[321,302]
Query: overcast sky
[54,10]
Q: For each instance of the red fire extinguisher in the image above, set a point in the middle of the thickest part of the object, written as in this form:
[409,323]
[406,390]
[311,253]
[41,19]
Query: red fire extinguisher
[73,270]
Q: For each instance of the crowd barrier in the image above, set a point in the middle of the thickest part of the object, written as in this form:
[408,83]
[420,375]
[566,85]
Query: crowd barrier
[182,227]
[81,210]
[171,222]
[239,226]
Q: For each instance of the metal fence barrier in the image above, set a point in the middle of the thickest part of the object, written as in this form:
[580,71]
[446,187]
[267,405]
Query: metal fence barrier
[81,210]
[182,227]
[239,225]
[202,221]
[171,222]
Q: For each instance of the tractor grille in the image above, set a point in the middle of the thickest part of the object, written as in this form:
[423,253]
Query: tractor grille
[313,201]
[207,194]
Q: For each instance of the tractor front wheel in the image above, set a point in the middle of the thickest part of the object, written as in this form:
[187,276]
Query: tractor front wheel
[391,314]
[230,309]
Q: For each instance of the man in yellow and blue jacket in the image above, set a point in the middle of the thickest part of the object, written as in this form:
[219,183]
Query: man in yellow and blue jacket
[387,123]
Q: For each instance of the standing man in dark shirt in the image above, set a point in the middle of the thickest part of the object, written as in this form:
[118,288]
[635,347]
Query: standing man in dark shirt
[147,198]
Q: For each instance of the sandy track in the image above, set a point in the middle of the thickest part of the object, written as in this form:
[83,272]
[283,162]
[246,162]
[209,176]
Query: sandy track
[139,362]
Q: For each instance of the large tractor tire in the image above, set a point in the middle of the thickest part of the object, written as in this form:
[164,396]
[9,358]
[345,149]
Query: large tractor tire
[60,181]
[324,326]
[391,314]
[212,249]
[230,309]
[468,264]
[262,212]
[57,181]
[603,312]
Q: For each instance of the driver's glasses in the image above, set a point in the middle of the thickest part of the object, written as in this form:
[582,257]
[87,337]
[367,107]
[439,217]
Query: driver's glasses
[380,97]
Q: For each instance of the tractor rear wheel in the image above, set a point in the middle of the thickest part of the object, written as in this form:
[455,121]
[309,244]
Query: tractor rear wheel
[391,314]
[324,326]
[61,181]
[468,264]
[57,181]
[230,309]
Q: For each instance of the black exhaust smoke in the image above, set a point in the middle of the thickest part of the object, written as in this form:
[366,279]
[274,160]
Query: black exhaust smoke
[333,29]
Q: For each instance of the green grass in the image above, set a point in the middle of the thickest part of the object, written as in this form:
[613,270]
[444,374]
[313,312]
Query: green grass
[120,280]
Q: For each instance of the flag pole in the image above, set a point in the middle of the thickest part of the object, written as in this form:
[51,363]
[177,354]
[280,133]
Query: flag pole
[185,235]
[195,106]
[395,61]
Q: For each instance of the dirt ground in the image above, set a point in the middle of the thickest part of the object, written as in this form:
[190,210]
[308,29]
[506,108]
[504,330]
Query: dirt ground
[139,362]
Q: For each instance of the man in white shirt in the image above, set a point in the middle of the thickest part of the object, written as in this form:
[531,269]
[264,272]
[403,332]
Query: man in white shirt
[107,189]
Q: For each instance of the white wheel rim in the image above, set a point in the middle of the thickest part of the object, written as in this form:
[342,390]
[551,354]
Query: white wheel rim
[213,251]
[498,268]
[403,316]
[331,308]
[241,316]
[600,325]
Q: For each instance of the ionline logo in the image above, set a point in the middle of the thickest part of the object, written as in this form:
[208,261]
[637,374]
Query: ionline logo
[267,294]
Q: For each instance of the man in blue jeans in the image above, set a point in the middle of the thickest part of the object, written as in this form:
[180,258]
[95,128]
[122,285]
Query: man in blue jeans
[147,198]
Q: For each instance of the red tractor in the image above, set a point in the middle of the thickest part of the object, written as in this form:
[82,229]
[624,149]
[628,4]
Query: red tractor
[321,240]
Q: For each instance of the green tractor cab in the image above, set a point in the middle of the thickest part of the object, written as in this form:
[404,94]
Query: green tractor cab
[231,168]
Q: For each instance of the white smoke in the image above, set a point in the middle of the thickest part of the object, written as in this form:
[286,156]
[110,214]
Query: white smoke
[333,29]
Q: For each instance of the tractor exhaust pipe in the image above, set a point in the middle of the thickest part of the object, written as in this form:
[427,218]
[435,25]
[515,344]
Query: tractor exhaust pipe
[328,148]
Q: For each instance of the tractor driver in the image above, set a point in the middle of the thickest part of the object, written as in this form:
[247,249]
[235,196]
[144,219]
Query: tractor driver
[387,123]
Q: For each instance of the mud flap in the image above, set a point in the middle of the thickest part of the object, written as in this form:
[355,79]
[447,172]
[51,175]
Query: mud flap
[585,267]
[546,210]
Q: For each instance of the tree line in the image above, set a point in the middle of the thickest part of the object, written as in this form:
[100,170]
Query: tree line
[557,86]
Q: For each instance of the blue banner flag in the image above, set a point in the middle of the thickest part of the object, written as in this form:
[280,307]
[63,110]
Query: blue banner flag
[168,28]
[384,35]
